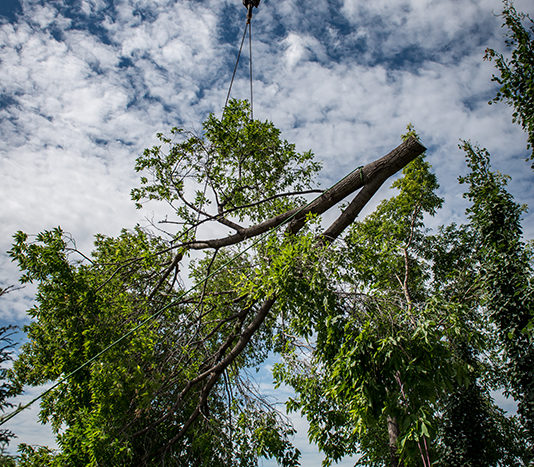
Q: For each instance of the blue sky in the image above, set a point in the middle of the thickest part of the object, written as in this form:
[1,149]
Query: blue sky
[86,84]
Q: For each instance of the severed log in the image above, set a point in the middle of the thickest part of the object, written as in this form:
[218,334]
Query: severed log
[370,176]
[373,173]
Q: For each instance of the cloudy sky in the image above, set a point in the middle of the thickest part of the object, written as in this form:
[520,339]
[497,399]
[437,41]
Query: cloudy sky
[86,84]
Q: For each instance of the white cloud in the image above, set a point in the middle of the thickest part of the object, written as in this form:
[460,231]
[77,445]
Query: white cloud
[425,24]
[302,48]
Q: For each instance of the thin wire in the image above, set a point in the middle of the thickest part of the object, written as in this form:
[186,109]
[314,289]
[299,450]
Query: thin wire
[235,67]
[250,67]
[158,313]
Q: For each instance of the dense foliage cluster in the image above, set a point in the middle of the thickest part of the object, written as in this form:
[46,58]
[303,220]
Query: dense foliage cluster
[7,388]
[399,368]
[516,78]
[139,400]
[392,338]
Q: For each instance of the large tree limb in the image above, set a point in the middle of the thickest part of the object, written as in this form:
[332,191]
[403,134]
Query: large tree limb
[375,172]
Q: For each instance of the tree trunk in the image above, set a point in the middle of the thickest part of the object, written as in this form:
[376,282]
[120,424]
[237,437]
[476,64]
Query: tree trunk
[393,432]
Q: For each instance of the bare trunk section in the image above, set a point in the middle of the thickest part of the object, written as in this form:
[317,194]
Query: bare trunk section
[374,173]
[393,433]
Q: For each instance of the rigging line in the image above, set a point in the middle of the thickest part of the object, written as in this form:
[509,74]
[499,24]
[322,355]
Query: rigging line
[236,63]
[4,419]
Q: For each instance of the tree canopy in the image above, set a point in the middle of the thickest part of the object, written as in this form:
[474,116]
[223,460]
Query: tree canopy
[175,389]
[7,388]
[399,372]
[392,337]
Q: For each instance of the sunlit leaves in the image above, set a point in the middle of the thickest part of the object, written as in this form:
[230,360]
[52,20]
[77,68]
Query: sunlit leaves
[142,400]
[243,163]
[386,334]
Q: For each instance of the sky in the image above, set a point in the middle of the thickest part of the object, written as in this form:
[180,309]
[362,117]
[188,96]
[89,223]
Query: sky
[85,85]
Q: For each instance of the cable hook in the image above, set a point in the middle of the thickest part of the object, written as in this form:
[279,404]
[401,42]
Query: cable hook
[248,5]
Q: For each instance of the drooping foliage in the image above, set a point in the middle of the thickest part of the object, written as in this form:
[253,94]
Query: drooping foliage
[7,390]
[376,339]
[516,78]
[506,272]
[139,402]
[388,337]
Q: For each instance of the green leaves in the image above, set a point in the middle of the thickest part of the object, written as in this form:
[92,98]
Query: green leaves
[384,335]
[506,263]
[261,432]
[378,350]
[244,164]
[397,325]
[516,78]
[143,400]
[75,317]
[8,388]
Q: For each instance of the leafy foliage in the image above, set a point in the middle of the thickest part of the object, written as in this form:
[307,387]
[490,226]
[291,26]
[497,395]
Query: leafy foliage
[516,78]
[7,388]
[82,309]
[396,367]
[243,162]
[507,274]
[473,431]
[388,337]
[376,358]
[140,403]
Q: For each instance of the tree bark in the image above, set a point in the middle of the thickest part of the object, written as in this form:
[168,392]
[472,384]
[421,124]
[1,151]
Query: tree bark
[372,175]
[393,433]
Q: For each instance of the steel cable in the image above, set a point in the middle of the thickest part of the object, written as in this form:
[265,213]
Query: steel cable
[235,67]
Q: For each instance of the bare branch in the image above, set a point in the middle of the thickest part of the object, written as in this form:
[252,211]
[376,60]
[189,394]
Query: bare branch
[9,289]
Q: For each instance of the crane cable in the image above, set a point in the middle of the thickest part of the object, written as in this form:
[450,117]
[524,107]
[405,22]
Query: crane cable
[250,68]
[248,25]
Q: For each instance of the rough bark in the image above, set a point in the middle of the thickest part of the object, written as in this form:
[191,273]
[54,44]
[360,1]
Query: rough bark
[393,433]
[372,175]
